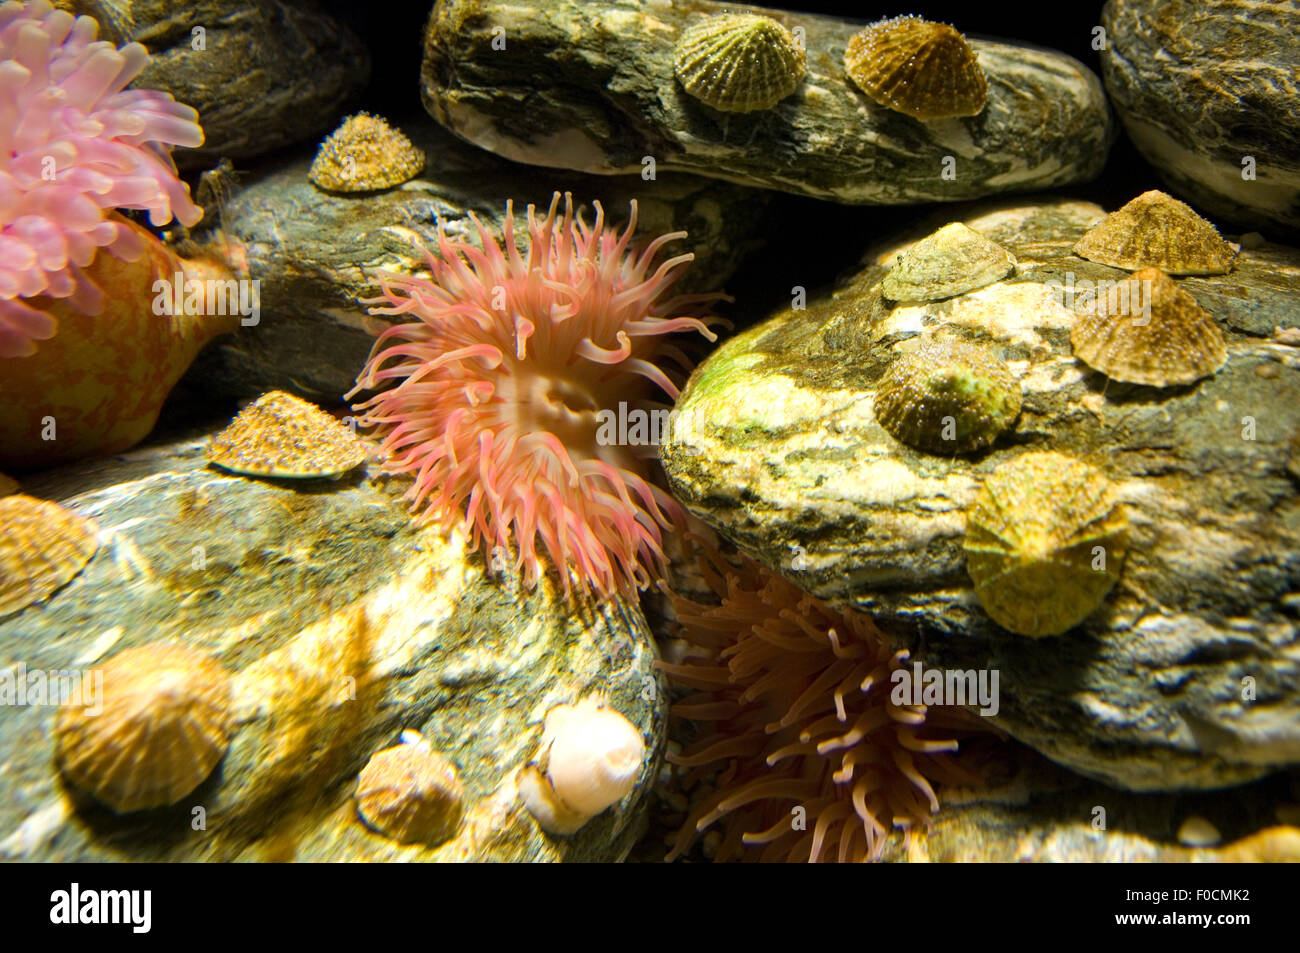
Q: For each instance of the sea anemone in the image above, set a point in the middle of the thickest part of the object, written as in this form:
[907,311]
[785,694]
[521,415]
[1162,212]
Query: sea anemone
[506,383]
[74,145]
[797,697]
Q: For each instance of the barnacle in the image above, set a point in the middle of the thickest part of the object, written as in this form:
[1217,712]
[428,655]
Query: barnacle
[365,154]
[739,62]
[163,728]
[914,66]
[1156,230]
[1149,332]
[1045,540]
[948,396]
[280,435]
[952,261]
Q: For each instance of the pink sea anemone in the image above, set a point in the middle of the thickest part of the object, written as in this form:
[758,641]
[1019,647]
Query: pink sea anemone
[75,145]
[795,700]
[502,382]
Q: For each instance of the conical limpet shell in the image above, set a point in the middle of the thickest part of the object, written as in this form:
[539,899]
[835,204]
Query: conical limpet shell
[365,154]
[1153,333]
[42,548]
[947,397]
[952,261]
[163,728]
[279,435]
[914,66]
[739,62]
[1045,541]
[411,793]
[1156,230]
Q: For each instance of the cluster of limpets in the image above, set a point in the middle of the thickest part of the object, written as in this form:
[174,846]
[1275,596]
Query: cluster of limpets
[739,62]
[1045,541]
[923,69]
[411,793]
[365,154]
[163,726]
[43,547]
[285,437]
[948,396]
[743,62]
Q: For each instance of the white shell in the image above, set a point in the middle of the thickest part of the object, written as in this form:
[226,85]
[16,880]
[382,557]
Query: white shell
[595,756]
[592,757]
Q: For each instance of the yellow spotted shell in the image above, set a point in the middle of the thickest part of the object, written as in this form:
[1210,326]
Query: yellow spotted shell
[280,435]
[739,62]
[163,727]
[365,154]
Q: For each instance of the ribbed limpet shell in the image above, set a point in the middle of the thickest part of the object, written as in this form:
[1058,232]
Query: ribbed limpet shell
[42,548]
[739,62]
[951,261]
[365,154]
[948,396]
[1045,541]
[163,728]
[1155,230]
[411,793]
[280,435]
[1167,341]
[914,66]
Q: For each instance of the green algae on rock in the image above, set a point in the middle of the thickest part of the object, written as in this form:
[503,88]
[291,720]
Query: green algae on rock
[598,78]
[785,455]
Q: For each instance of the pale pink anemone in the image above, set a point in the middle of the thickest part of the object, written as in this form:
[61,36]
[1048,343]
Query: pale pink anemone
[74,145]
[502,380]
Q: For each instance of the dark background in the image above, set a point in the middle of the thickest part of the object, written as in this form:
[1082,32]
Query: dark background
[393,31]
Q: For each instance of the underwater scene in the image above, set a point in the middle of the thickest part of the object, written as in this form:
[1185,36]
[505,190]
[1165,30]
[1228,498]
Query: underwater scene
[649,430]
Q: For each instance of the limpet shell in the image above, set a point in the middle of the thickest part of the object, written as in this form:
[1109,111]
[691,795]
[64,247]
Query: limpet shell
[949,262]
[43,547]
[1155,230]
[1174,342]
[948,396]
[411,793]
[739,62]
[280,435]
[163,728]
[365,154]
[1045,541]
[924,69]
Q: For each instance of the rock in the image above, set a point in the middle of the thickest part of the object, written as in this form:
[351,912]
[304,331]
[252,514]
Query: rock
[343,625]
[263,74]
[314,252]
[589,85]
[1027,810]
[1186,676]
[1207,92]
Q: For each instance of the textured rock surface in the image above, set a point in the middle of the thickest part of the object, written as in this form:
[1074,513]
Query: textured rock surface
[343,625]
[590,86]
[1202,85]
[1029,810]
[779,449]
[262,73]
[313,252]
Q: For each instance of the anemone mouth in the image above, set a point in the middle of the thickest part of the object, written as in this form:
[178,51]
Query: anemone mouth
[491,398]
